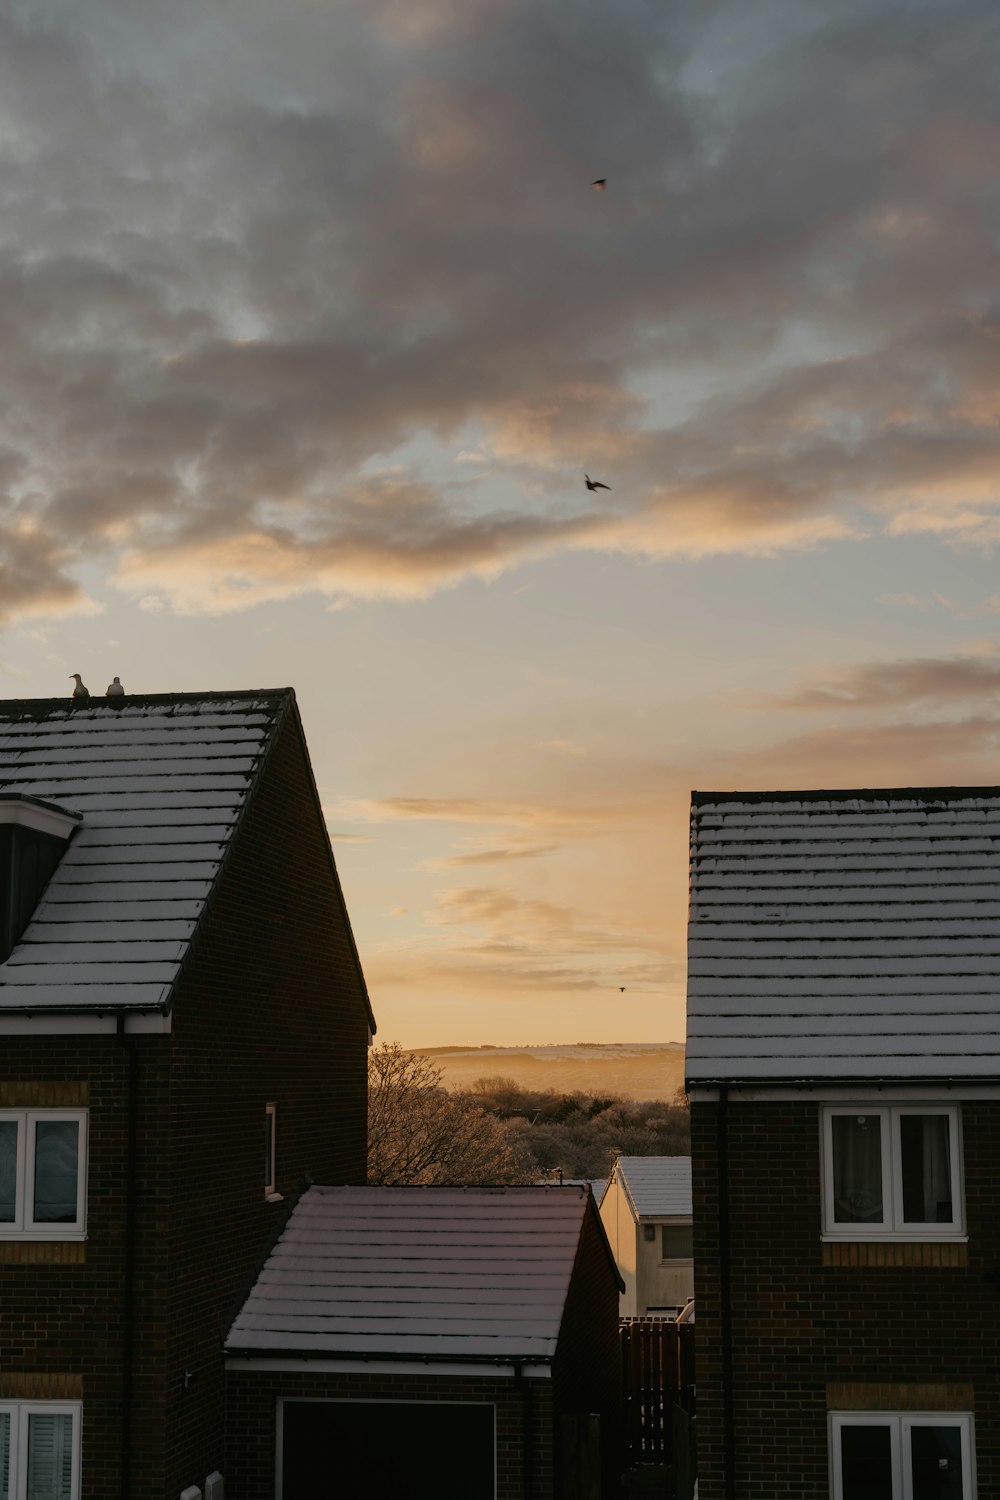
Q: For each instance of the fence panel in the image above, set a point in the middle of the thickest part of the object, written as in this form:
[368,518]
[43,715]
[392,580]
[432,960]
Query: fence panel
[658,1373]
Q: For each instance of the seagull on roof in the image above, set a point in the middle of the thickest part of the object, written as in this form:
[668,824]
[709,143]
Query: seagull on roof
[595,484]
[79,691]
[600,184]
[115,689]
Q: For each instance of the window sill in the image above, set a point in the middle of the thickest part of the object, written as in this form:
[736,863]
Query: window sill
[41,1236]
[274,1197]
[892,1237]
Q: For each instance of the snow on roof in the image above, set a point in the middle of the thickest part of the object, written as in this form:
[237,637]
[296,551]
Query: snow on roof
[659,1186]
[844,935]
[476,1273]
[160,784]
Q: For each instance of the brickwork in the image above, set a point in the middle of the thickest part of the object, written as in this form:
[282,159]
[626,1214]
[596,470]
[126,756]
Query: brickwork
[271,1009]
[61,1307]
[802,1325]
[587,1366]
[253,1397]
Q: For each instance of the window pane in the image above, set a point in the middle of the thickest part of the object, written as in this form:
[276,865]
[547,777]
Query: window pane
[4,1455]
[857,1169]
[268,1149]
[678,1242]
[8,1177]
[866,1462]
[57,1151]
[926,1168]
[50,1456]
[937,1463]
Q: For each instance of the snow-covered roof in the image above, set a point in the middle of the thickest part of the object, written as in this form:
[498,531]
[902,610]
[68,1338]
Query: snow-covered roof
[659,1186]
[431,1272]
[160,783]
[844,935]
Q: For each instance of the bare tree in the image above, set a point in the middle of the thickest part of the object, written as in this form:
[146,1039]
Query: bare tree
[418,1132]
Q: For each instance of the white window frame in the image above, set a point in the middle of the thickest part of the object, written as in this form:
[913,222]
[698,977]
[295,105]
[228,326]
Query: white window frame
[271,1117]
[19,1412]
[25,1227]
[893,1225]
[900,1425]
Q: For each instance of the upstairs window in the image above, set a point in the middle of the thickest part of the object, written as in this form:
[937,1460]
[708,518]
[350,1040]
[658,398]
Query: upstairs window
[892,1170]
[43,1174]
[895,1456]
[39,1450]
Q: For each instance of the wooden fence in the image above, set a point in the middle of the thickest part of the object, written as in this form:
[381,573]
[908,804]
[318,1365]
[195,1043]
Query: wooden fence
[657,1376]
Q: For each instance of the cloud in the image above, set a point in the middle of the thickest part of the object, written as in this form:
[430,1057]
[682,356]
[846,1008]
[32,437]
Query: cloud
[886,685]
[247,257]
[491,856]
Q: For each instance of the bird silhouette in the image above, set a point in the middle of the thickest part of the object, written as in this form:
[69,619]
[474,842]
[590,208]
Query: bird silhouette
[621,989]
[600,184]
[79,692]
[115,689]
[595,484]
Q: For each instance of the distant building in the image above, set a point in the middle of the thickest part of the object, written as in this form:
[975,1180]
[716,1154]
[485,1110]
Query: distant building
[646,1212]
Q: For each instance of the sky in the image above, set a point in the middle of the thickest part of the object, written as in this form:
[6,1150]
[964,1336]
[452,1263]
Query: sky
[311,325]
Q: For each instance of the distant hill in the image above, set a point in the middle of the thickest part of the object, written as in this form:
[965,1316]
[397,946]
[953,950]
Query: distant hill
[636,1070]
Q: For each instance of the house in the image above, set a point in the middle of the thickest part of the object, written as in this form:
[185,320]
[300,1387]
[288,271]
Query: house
[843,1060]
[183,1039]
[646,1212]
[447,1343]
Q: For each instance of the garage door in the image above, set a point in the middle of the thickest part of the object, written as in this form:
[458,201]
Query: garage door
[339,1450]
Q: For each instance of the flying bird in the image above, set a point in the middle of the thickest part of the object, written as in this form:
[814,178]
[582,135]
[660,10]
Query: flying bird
[79,691]
[621,989]
[595,484]
[600,184]
[115,689]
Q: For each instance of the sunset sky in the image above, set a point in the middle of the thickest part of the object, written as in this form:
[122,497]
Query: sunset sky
[310,326]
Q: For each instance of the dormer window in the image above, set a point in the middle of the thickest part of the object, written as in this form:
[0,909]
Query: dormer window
[33,838]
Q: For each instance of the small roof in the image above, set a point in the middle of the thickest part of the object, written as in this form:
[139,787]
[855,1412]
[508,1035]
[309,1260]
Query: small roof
[431,1272]
[160,784]
[659,1186]
[844,935]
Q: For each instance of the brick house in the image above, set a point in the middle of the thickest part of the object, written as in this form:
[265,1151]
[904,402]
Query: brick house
[183,1037]
[843,1058]
[442,1343]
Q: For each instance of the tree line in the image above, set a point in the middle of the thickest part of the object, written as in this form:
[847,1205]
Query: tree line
[499,1132]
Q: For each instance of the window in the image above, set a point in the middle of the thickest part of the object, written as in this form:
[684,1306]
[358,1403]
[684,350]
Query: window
[43,1174]
[894,1456]
[892,1170]
[39,1450]
[678,1242]
[270,1142]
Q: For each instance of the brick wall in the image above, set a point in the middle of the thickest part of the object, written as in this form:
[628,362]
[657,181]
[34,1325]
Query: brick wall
[587,1366]
[271,1009]
[252,1404]
[61,1304]
[803,1331]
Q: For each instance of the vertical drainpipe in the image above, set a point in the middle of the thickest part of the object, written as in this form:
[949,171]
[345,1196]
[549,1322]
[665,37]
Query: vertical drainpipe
[524,1385]
[128,1257]
[725,1300]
